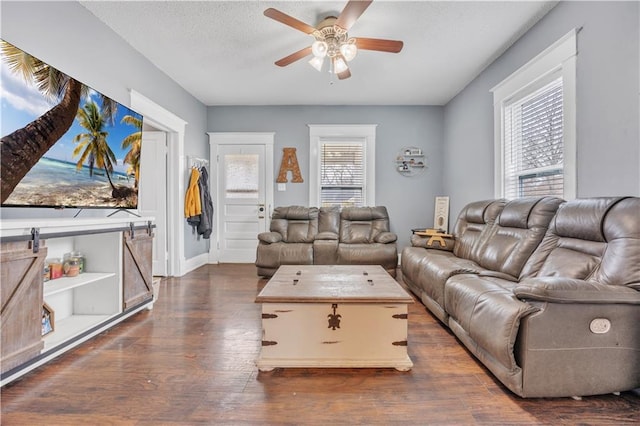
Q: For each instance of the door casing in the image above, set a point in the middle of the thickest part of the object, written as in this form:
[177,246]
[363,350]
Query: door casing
[152,200]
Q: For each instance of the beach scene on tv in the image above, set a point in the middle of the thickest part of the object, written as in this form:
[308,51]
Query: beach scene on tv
[63,143]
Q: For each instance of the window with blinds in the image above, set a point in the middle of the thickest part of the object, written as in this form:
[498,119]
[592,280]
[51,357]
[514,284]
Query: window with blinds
[533,143]
[342,171]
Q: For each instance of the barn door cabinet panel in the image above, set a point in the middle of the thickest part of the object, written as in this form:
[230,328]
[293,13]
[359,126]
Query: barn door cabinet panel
[137,268]
[21,296]
[83,305]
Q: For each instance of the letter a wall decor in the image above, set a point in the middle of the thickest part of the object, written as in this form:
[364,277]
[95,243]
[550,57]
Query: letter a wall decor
[289,163]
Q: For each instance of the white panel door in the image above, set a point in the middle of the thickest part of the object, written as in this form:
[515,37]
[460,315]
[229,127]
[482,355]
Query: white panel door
[152,195]
[241,191]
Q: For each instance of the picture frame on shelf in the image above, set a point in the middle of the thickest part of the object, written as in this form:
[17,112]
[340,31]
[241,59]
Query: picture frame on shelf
[48,319]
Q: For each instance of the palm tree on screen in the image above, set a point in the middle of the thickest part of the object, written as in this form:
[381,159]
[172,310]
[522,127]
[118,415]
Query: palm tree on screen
[21,150]
[133,142]
[92,145]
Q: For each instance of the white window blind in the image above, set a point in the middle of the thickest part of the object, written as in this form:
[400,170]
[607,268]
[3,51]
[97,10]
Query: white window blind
[535,125]
[342,171]
[533,143]
[342,165]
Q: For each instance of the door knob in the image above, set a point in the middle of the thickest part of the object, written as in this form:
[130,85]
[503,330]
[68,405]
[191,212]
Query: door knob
[261,209]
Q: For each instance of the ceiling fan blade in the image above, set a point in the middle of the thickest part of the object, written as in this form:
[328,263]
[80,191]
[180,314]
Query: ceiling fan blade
[352,12]
[344,74]
[294,57]
[289,20]
[382,45]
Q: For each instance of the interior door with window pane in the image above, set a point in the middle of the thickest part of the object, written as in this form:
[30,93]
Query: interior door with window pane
[243,215]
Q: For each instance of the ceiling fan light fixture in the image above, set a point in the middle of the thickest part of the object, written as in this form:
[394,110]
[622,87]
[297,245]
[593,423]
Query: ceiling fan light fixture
[339,65]
[319,49]
[317,62]
[349,50]
[331,39]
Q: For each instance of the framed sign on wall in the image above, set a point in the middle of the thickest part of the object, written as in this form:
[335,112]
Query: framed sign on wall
[441,214]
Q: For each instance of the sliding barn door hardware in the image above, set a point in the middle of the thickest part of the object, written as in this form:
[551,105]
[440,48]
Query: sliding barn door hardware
[35,238]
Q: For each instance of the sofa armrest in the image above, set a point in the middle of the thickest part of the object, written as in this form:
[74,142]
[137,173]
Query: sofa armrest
[327,235]
[386,238]
[270,237]
[569,290]
[421,241]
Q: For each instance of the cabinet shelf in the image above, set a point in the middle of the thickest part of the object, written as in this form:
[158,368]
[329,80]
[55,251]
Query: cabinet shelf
[67,283]
[71,327]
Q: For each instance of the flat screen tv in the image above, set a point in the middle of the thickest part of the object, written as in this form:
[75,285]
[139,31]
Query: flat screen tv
[64,145]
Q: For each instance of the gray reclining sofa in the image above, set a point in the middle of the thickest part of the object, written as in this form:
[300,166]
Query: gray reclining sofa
[327,236]
[545,293]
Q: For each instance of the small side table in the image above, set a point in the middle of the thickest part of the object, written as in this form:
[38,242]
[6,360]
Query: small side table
[435,236]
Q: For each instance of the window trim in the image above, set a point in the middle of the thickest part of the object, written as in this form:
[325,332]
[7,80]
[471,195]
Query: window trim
[318,133]
[559,58]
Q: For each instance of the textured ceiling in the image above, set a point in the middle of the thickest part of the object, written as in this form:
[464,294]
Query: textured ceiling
[223,52]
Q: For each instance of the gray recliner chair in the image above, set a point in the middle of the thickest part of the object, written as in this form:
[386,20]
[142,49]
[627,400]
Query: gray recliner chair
[290,240]
[365,238]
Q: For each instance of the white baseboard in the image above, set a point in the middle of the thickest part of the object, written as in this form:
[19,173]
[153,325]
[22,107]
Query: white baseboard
[194,263]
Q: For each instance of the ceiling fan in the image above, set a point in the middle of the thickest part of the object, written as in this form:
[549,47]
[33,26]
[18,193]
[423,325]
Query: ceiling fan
[332,39]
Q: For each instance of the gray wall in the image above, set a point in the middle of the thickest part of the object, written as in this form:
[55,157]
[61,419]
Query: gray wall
[409,200]
[608,136]
[71,39]
[458,139]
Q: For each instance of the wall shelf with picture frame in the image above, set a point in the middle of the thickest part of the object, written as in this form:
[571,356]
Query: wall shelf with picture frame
[410,161]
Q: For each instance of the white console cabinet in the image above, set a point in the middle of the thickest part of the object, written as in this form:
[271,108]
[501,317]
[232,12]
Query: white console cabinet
[116,283]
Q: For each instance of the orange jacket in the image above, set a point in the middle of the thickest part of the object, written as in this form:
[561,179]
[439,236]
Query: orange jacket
[192,206]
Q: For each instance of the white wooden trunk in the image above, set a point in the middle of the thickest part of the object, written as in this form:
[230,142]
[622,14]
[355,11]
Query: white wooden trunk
[369,335]
[333,316]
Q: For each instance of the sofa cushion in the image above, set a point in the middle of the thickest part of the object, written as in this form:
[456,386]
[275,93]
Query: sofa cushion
[295,213]
[385,255]
[296,224]
[386,238]
[270,237]
[426,271]
[518,230]
[621,261]
[582,219]
[594,239]
[489,312]
[472,221]
[362,225]
[271,256]
[329,220]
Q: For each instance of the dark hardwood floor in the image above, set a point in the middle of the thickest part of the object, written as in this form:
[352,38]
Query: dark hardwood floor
[191,361]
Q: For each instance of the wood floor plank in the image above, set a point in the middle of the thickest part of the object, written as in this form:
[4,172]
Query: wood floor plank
[191,360]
